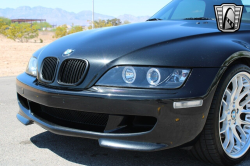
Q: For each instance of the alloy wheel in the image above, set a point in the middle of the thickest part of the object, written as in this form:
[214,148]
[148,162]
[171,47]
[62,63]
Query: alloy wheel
[234,123]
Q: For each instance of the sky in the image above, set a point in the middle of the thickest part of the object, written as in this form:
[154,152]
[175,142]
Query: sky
[107,7]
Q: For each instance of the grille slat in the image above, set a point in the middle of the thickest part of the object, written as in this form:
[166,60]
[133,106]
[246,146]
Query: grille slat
[77,72]
[66,71]
[80,71]
[49,69]
[45,71]
[72,71]
[72,77]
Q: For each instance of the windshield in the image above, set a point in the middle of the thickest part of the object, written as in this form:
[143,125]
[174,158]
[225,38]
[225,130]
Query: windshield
[197,9]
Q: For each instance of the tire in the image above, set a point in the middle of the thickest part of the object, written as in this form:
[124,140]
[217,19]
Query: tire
[212,144]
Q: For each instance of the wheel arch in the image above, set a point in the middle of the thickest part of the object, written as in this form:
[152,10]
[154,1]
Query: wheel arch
[241,57]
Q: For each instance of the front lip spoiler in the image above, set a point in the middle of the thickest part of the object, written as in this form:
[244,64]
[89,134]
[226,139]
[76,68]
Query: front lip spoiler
[131,145]
[23,120]
[105,140]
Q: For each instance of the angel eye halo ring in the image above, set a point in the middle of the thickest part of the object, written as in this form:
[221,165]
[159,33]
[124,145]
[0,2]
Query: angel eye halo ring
[153,76]
[129,75]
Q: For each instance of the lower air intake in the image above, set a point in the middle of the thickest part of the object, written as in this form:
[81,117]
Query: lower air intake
[70,118]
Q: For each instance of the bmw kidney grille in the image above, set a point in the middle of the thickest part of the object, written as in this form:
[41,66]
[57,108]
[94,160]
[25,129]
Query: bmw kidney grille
[49,69]
[72,71]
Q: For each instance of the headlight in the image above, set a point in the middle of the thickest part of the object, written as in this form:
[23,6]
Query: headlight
[144,77]
[153,76]
[32,66]
[129,75]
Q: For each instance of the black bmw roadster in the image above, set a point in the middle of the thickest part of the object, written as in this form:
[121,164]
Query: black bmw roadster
[175,80]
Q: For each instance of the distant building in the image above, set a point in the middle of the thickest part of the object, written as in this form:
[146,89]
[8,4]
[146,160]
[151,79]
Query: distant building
[27,20]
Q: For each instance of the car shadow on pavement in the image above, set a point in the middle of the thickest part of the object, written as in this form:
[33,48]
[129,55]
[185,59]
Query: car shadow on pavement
[88,152]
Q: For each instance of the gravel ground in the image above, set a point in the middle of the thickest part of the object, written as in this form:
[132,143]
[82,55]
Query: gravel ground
[14,56]
[32,145]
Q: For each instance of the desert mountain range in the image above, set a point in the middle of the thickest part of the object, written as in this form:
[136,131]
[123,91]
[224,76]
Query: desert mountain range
[57,16]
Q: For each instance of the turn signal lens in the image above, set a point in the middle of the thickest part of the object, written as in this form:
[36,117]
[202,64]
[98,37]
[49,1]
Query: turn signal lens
[188,104]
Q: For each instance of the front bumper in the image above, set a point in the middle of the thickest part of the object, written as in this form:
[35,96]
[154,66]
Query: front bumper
[174,127]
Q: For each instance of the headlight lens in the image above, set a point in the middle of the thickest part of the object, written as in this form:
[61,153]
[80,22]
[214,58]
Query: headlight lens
[129,75]
[144,77]
[32,66]
[153,76]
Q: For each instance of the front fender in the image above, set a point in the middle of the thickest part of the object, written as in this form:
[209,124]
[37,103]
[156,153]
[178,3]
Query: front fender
[207,50]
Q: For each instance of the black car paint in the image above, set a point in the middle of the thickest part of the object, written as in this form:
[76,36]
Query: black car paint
[161,43]
[197,45]
[134,102]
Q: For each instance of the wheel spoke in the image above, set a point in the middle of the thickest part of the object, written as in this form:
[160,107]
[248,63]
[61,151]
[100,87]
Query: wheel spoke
[223,117]
[225,105]
[246,101]
[237,148]
[244,122]
[242,132]
[227,139]
[248,106]
[240,86]
[246,85]
[224,129]
[236,135]
[243,94]
[231,145]
[229,95]
[235,87]
[247,118]
[245,111]
[246,129]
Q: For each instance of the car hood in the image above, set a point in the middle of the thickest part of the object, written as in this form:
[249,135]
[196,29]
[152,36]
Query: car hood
[122,45]
[108,44]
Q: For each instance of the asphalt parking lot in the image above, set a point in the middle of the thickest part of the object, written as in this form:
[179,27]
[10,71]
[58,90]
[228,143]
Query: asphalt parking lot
[32,145]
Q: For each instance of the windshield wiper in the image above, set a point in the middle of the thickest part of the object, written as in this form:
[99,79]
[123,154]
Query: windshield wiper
[154,19]
[198,18]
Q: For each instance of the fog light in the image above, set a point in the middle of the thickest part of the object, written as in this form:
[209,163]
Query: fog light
[153,76]
[188,104]
[129,75]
